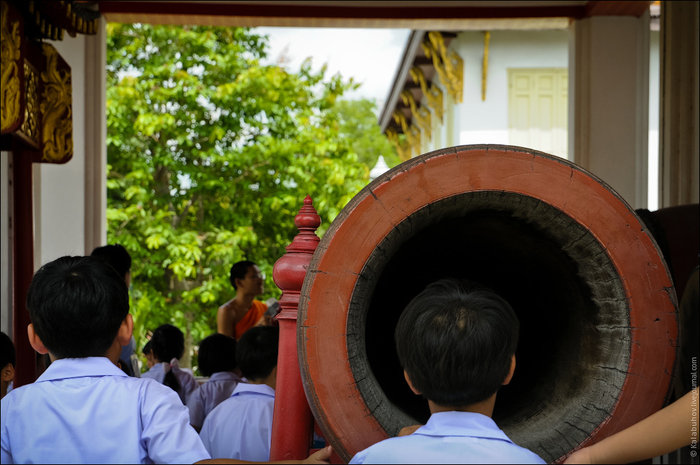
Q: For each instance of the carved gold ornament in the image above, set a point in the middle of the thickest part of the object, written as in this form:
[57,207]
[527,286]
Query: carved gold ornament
[432,95]
[9,71]
[50,19]
[30,125]
[421,115]
[403,150]
[56,113]
[448,64]
[485,65]
[413,137]
[411,132]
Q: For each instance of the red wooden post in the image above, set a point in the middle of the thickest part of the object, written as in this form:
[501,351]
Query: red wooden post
[22,239]
[292,423]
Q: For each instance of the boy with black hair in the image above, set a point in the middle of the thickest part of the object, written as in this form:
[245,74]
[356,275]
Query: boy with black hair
[240,427]
[83,409]
[216,360]
[457,348]
[7,364]
[117,257]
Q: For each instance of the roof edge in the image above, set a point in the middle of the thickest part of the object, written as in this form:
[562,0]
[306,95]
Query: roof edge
[404,66]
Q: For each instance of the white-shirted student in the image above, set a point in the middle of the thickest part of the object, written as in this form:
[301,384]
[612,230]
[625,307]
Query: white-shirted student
[456,343]
[241,426]
[217,360]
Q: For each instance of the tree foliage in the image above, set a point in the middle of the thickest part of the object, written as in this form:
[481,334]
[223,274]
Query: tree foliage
[363,133]
[210,155]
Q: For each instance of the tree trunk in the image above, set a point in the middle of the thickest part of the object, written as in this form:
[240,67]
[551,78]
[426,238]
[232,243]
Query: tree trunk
[186,360]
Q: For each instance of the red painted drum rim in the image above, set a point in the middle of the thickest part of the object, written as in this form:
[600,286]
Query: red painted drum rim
[326,373]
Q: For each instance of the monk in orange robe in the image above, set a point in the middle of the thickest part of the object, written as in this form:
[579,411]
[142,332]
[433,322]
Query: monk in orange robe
[243,311]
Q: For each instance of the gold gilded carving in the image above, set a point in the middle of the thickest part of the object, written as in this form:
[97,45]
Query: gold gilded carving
[403,150]
[432,95]
[10,43]
[411,132]
[413,138]
[420,115]
[56,113]
[30,125]
[448,64]
[485,64]
[400,120]
[49,19]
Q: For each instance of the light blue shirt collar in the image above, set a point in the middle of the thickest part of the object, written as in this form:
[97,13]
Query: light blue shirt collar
[453,424]
[259,389]
[224,376]
[65,368]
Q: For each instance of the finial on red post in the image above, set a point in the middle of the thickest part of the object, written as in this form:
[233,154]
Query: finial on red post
[289,271]
[307,220]
[292,422]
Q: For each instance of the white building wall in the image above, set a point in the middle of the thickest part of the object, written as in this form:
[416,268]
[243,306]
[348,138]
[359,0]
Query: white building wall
[59,194]
[486,122]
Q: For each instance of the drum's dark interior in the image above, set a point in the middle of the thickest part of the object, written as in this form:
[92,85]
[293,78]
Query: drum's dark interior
[523,264]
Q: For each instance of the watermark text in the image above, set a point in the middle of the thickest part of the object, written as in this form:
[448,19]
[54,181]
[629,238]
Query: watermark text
[694,407]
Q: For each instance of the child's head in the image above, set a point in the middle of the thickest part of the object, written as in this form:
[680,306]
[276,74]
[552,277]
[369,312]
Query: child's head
[167,343]
[117,257]
[77,305]
[216,353]
[7,362]
[456,344]
[147,351]
[256,352]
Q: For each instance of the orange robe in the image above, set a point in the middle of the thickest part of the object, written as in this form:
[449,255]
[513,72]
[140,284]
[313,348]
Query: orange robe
[251,318]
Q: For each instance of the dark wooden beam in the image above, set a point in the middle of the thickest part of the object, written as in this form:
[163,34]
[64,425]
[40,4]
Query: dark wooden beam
[365,10]
[616,8]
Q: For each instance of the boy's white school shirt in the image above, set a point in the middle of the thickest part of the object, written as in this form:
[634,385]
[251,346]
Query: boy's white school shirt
[210,394]
[241,426]
[87,410]
[450,437]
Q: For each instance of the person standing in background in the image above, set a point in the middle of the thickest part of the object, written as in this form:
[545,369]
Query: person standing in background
[167,346]
[7,364]
[242,312]
[118,258]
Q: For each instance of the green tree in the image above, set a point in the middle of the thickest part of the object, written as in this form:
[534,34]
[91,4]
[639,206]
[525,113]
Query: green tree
[210,155]
[358,124]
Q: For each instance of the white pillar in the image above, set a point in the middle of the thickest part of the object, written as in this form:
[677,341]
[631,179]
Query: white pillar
[96,138]
[59,193]
[70,198]
[608,101]
[678,167]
